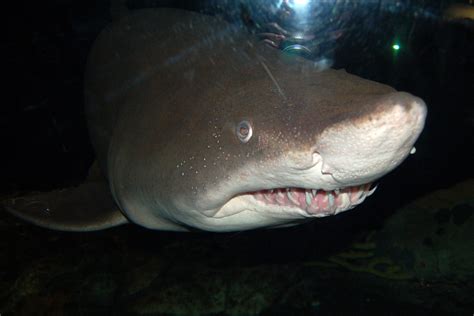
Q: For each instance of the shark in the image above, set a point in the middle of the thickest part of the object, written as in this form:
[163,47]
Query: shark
[197,125]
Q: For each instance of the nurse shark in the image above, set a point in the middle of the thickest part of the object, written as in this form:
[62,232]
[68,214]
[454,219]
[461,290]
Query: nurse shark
[198,126]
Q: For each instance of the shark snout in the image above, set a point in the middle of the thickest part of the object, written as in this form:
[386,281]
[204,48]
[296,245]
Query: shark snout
[362,148]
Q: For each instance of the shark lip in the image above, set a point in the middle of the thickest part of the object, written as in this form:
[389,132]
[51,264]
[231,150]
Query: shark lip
[315,202]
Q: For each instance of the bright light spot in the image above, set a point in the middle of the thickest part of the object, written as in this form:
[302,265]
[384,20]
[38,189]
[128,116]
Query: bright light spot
[300,3]
[396,47]
[298,35]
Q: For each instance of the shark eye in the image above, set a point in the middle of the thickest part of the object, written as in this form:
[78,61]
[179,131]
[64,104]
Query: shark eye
[244,131]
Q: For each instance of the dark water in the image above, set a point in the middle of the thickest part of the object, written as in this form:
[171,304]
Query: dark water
[362,262]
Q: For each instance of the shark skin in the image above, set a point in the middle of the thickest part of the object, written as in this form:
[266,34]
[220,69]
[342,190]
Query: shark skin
[199,126]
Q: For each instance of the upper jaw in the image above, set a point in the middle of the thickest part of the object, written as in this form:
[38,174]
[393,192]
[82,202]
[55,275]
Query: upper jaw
[290,200]
[275,174]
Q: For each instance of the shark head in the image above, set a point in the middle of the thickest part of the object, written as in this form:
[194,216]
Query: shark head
[294,174]
[293,163]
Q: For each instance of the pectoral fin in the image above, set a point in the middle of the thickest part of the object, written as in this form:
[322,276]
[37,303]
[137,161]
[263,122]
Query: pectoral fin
[87,207]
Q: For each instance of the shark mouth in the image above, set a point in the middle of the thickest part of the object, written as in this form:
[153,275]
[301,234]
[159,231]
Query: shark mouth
[316,202]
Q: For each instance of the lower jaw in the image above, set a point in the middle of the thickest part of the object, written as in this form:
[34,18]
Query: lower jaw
[315,202]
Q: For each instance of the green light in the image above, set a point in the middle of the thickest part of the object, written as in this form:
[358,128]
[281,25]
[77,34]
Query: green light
[396,47]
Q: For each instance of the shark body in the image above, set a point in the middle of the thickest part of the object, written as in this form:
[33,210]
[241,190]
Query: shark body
[197,125]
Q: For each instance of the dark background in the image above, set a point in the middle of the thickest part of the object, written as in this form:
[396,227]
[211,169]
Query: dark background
[45,146]
[43,133]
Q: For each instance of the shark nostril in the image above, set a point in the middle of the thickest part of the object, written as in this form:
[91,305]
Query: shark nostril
[305,160]
[314,161]
[316,158]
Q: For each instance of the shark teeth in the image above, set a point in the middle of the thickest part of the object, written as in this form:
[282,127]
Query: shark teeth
[316,202]
[308,197]
[372,190]
[345,203]
[291,196]
[331,200]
